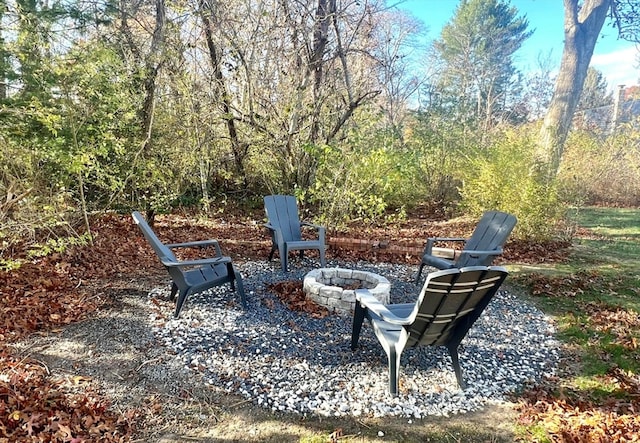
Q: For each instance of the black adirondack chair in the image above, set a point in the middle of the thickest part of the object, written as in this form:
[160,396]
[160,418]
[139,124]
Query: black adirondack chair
[285,228]
[450,302]
[480,249]
[192,276]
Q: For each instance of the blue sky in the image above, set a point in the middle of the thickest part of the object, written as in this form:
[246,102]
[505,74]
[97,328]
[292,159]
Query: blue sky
[615,58]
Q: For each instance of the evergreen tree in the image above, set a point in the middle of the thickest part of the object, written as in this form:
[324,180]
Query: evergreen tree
[476,49]
[594,92]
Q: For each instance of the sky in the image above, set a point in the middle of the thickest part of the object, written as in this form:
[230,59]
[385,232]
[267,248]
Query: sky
[614,57]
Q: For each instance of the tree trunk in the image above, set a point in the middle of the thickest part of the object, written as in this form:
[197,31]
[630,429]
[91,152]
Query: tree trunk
[153,64]
[4,57]
[324,12]
[238,148]
[581,30]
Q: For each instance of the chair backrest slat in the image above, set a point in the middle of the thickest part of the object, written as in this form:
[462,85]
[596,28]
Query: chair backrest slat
[159,247]
[442,316]
[491,233]
[282,212]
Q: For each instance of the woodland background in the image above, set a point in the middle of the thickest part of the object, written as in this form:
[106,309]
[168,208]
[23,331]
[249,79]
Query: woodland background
[151,106]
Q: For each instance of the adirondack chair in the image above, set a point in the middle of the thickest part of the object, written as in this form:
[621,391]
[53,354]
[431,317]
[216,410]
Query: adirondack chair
[480,249]
[450,302]
[285,228]
[192,276]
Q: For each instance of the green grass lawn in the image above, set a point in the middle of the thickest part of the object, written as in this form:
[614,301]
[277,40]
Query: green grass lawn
[595,298]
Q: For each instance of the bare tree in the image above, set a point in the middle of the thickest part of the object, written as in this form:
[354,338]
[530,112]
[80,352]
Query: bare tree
[208,12]
[289,75]
[395,44]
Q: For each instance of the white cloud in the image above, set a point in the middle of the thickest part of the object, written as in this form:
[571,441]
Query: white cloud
[619,67]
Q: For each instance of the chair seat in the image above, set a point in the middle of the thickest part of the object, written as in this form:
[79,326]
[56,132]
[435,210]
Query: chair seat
[437,262]
[449,303]
[206,274]
[304,244]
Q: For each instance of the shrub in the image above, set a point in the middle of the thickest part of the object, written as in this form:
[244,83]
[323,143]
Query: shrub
[503,177]
[369,180]
[438,143]
[602,169]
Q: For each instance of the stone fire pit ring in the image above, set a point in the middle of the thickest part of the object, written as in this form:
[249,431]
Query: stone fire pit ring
[334,288]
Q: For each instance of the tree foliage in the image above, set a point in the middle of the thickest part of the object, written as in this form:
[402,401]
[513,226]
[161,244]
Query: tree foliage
[155,104]
[594,92]
[501,176]
[245,85]
[476,49]
[597,170]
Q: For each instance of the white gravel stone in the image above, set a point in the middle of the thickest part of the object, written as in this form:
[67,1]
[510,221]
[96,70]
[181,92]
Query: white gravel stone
[289,361]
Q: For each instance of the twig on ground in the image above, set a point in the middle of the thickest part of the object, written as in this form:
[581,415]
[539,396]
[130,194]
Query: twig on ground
[153,360]
[241,403]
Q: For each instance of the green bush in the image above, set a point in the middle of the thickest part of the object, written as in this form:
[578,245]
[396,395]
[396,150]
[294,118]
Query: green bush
[602,168]
[438,143]
[503,177]
[370,179]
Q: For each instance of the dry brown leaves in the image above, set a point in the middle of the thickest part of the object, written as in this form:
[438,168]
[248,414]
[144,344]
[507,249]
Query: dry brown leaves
[45,295]
[33,408]
[564,285]
[292,295]
[571,417]
[623,324]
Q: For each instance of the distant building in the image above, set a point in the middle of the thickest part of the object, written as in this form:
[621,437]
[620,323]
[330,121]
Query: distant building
[625,109]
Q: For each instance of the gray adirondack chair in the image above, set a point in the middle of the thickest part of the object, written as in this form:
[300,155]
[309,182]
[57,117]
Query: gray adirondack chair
[450,302]
[192,276]
[285,228]
[480,249]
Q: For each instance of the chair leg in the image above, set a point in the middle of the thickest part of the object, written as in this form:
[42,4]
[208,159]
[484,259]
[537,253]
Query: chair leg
[358,317]
[453,351]
[274,245]
[174,291]
[419,272]
[322,258]
[284,258]
[181,299]
[394,373]
[240,285]
[232,276]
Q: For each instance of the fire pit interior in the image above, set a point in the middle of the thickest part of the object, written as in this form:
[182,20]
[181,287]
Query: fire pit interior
[335,288]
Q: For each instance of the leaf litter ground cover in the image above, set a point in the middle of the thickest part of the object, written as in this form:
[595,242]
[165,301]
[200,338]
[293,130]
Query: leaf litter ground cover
[46,295]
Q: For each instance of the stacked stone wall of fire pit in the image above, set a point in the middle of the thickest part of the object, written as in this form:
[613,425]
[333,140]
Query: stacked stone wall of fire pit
[335,288]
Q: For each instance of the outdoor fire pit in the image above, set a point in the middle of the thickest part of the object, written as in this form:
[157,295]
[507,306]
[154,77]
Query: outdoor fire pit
[335,288]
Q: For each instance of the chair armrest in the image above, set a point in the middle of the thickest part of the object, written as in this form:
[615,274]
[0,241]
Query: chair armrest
[275,232]
[474,252]
[311,225]
[432,240]
[197,244]
[200,262]
[368,301]
[321,230]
